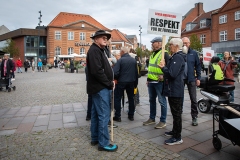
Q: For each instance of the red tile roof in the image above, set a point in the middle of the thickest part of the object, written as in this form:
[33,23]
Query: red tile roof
[118,36]
[64,18]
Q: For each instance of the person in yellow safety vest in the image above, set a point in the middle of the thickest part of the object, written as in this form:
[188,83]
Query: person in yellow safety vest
[216,72]
[155,84]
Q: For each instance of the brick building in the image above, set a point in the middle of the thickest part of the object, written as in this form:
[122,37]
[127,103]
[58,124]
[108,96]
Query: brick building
[119,40]
[70,33]
[218,29]
[226,28]
[134,40]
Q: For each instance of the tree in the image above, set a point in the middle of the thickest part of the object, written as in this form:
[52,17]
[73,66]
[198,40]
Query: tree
[167,45]
[11,48]
[195,43]
[139,52]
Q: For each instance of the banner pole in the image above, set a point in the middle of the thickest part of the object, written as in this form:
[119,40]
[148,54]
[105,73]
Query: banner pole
[163,47]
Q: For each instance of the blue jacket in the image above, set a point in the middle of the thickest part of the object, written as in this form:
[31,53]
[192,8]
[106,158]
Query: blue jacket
[125,70]
[173,75]
[193,63]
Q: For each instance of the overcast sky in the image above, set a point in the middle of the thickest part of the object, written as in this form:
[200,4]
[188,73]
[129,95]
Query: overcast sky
[124,15]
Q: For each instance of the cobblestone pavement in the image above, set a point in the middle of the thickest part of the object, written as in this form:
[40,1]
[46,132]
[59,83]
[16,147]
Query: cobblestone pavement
[45,119]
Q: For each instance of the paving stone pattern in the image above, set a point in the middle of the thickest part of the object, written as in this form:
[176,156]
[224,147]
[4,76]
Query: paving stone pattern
[74,143]
[45,119]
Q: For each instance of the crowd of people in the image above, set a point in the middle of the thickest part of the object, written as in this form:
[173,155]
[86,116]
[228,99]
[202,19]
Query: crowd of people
[168,74]
[108,75]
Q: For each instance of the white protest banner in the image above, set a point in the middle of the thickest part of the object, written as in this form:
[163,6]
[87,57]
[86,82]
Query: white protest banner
[164,23]
[207,56]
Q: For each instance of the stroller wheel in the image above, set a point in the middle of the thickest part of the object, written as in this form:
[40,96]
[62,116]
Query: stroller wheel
[217,144]
[204,106]
[9,89]
[14,88]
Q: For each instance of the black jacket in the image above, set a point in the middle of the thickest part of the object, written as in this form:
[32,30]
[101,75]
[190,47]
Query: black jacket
[44,62]
[10,66]
[100,73]
[173,76]
[125,70]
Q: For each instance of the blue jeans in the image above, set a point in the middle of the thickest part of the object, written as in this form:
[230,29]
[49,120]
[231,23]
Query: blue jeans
[100,117]
[231,96]
[154,91]
[19,69]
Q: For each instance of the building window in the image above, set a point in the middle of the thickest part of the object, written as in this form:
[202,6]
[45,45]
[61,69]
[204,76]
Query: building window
[82,36]
[203,38]
[203,23]
[70,36]
[57,35]
[70,50]
[237,15]
[223,19]
[82,51]
[237,33]
[223,36]
[57,51]
[188,27]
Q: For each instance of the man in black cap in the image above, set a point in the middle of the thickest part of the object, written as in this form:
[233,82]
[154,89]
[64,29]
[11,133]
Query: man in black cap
[99,85]
[155,84]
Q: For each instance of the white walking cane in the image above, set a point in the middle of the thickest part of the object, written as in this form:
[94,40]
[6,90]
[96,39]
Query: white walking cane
[112,107]
[112,111]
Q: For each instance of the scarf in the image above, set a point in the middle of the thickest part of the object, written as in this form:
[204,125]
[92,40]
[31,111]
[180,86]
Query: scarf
[5,68]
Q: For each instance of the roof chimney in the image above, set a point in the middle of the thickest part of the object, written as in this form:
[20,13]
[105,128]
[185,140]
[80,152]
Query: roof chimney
[199,7]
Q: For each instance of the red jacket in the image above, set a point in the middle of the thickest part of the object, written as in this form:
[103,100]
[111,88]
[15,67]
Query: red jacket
[19,63]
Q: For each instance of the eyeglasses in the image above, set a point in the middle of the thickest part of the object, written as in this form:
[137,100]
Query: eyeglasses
[104,38]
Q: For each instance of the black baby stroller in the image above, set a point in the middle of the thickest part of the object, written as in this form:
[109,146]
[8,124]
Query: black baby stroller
[6,82]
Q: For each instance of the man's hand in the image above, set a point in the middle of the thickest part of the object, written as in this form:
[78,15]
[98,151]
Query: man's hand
[11,71]
[113,85]
[160,78]
[162,64]
[197,82]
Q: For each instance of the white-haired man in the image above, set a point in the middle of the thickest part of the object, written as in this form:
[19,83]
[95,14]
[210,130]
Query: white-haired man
[193,68]
[126,74]
[174,88]
[99,85]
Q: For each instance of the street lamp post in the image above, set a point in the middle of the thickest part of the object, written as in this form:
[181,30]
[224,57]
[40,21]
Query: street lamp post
[140,46]
[39,24]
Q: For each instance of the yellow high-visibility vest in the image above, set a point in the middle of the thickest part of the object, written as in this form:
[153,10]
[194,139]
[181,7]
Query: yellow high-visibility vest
[153,69]
[219,73]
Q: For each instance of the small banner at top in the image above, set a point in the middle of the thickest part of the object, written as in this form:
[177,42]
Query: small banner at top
[164,23]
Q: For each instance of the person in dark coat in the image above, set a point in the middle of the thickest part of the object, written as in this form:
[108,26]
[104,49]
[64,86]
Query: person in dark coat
[100,85]
[126,74]
[72,66]
[174,88]
[26,65]
[6,67]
